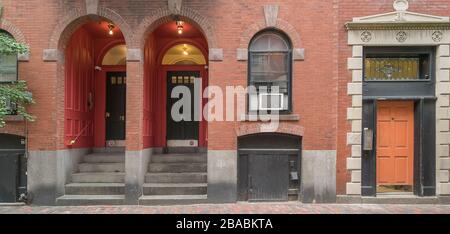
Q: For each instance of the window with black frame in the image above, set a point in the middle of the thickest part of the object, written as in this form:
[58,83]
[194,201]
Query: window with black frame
[8,64]
[397,67]
[8,72]
[270,73]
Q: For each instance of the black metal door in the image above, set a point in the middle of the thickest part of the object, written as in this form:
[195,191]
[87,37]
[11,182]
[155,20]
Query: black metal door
[115,105]
[13,179]
[181,130]
[268,177]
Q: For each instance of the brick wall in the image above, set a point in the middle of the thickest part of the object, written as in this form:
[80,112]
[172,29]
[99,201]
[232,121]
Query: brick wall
[319,82]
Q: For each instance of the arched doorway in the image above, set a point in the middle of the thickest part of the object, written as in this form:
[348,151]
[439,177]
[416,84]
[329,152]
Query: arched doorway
[174,60]
[113,73]
[182,64]
[95,86]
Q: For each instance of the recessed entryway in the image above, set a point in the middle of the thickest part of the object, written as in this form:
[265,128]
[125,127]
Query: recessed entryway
[398,153]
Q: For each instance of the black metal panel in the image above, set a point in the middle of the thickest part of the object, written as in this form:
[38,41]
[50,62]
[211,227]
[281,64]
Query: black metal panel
[12,168]
[418,149]
[399,89]
[8,176]
[243,176]
[428,157]
[368,172]
[268,178]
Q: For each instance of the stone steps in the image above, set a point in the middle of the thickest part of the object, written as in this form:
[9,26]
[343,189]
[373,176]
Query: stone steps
[95,189]
[173,200]
[177,167]
[179,177]
[101,167]
[104,158]
[110,150]
[175,189]
[96,177]
[179,158]
[90,200]
[184,150]
[193,177]
[100,180]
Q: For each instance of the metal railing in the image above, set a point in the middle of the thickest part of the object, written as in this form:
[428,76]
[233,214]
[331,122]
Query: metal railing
[72,142]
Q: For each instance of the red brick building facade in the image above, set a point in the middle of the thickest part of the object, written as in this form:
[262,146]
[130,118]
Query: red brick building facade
[68,40]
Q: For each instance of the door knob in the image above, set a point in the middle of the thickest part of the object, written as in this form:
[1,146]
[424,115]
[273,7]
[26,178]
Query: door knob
[122,118]
[107,115]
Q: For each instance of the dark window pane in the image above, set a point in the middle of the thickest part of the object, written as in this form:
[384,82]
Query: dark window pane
[269,42]
[8,68]
[269,66]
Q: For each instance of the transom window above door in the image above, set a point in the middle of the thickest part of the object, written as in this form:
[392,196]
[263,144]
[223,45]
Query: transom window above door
[270,61]
[397,65]
[184,54]
[116,56]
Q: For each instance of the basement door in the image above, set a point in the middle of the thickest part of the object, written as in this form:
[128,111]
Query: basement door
[115,105]
[13,168]
[395,144]
[265,186]
[184,130]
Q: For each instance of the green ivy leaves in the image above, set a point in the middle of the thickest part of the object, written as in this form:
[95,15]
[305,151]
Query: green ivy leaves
[15,92]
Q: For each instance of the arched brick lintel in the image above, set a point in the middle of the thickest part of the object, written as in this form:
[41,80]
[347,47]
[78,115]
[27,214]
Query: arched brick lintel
[13,131]
[13,30]
[163,15]
[76,18]
[246,129]
[281,25]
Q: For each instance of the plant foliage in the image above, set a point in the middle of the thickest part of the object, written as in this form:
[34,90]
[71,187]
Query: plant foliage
[16,93]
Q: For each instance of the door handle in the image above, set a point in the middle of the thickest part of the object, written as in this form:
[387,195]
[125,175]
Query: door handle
[367,139]
[107,115]
[122,118]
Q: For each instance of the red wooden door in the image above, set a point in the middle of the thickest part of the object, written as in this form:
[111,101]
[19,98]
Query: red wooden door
[395,142]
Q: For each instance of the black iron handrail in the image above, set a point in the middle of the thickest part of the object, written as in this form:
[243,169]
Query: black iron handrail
[72,142]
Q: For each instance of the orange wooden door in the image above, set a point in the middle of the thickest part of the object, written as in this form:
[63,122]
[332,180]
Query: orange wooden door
[395,142]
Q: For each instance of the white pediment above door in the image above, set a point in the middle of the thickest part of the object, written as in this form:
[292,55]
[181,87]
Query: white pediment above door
[400,18]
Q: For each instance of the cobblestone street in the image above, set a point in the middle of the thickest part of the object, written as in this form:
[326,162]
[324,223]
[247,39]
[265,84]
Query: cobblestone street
[240,208]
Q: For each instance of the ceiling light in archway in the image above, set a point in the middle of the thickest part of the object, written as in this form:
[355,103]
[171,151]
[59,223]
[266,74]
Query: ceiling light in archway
[185,52]
[180,27]
[111,29]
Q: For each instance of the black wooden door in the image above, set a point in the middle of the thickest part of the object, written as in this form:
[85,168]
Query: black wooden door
[181,130]
[115,105]
[268,177]
[13,167]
